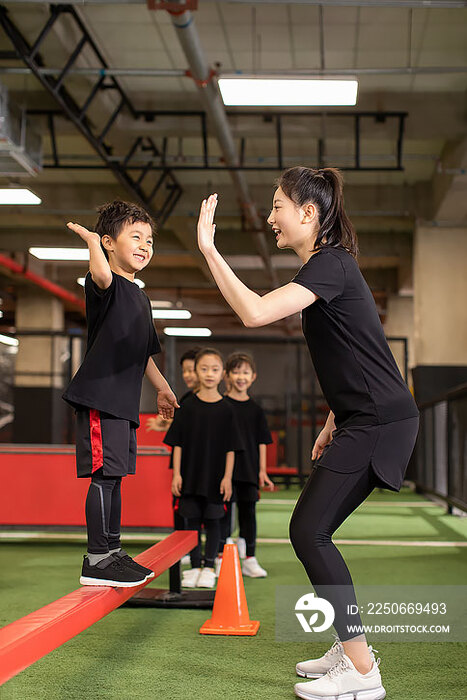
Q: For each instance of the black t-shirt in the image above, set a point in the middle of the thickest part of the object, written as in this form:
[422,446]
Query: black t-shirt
[252,422]
[121,338]
[205,432]
[355,367]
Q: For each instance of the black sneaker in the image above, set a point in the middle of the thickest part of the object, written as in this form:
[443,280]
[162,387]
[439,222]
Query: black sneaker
[109,572]
[132,564]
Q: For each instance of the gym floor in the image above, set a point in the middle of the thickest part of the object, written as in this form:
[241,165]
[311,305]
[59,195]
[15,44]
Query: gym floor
[152,653]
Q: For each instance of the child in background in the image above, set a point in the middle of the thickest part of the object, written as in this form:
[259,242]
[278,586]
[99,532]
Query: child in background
[250,464]
[204,436]
[106,389]
[187,363]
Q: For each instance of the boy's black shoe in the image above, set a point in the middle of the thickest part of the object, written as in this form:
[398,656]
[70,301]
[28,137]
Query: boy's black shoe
[110,572]
[132,564]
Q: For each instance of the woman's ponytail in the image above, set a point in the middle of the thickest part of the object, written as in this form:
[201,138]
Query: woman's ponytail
[323,187]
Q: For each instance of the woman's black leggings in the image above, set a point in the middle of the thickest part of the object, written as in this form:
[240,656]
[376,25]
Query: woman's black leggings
[326,501]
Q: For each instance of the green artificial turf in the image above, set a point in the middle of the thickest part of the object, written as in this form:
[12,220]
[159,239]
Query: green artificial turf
[153,653]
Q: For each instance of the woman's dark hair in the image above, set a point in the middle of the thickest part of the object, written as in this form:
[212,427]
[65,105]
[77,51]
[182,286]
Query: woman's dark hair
[236,359]
[322,187]
[208,351]
[114,215]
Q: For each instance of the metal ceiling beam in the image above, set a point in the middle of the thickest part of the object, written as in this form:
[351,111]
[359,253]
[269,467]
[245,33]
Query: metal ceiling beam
[78,114]
[422,4]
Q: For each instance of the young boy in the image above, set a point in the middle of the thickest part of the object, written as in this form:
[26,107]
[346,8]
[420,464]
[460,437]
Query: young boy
[250,465]
[187,363]
[106,389]
[204,436]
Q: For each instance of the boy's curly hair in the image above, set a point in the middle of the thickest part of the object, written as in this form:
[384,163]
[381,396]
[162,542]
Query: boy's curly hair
[114,215]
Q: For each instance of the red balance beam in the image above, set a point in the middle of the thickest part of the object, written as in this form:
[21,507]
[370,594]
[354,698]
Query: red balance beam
[31,637]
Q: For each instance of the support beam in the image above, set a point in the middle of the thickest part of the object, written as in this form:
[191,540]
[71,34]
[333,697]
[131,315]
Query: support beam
[28,639]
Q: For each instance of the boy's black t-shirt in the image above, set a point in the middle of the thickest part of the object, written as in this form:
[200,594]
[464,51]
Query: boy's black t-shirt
[205,432]
[355,367]
[253,425]
[121,338]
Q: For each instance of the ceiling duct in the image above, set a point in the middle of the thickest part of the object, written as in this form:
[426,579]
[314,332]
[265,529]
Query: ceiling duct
[20,145]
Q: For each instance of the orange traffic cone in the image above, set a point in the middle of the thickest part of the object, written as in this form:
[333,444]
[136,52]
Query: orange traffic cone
[230,610]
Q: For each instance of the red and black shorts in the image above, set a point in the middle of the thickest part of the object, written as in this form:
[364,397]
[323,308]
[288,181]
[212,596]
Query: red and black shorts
[104,442]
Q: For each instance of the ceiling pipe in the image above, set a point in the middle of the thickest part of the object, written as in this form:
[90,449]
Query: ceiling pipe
[180,73]
[206,83]
[55,289]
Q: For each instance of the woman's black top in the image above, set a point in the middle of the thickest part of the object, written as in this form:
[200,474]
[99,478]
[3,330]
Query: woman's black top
[253,425]
[354,365]
[121,338]
[205,431]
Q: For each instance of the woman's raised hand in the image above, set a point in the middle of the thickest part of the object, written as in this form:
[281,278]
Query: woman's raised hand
[87,236]
[206,227]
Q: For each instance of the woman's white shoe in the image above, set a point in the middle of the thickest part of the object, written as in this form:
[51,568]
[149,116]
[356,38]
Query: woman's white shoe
[315,668]
[344,682]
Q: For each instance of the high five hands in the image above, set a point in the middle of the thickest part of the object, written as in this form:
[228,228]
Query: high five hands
[206,227]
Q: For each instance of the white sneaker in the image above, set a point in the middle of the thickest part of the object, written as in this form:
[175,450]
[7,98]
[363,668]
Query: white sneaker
[241,546]
[250,567]
[217,566]
[344,682]
[315,668]
[207,578]
[185,561]
[190,578]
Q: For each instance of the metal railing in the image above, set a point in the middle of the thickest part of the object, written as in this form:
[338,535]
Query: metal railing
[441,448]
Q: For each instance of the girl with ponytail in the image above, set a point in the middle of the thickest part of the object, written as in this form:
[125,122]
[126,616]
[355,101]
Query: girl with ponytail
[371,428]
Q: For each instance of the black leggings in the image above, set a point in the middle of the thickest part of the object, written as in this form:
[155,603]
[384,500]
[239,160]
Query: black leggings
[246,523]
[326,501]
[212,529]
[103,513]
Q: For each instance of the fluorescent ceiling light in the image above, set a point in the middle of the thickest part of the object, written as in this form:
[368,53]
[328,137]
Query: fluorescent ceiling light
[18,195]
[292,92]
[171,313]
[60,253]
[6,340]
[161,304]
[140,283]
[198,332]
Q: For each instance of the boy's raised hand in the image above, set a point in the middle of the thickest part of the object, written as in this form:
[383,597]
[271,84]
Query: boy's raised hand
[206,227]
[87,236]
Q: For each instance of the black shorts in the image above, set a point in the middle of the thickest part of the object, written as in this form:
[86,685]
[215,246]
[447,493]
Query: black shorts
[104,442]
[200,507]
[245,491]
[386,448]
